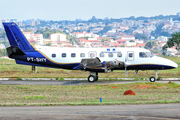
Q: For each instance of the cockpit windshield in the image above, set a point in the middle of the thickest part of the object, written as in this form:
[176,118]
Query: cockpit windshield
[143,55]
[150,54]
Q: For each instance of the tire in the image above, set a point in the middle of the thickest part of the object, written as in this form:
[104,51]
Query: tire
[152,79]
[91,78]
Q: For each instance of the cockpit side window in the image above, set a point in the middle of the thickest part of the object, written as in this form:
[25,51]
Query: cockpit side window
[143,55]
[130,55]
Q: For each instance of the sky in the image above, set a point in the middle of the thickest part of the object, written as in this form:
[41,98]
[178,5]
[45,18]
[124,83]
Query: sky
[85,9]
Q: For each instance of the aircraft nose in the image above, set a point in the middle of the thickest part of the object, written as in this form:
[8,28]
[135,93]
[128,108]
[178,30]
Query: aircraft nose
[167,63]
[171,63]
[175,65]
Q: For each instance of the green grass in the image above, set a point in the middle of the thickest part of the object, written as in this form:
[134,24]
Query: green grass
[8,68]
[47,95]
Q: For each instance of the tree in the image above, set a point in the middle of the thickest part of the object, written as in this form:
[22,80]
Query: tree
[28,30]
[3,52]
[87,37]
[149,45]
[104,39]
[159,31]
[165,34]
[46,33]
[2,34]
[174,41]
[105,29]
[140,36]
[48,44]
[128,31]
[5,42]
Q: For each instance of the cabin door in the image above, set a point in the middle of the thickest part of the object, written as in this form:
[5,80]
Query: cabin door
[130,55]
[92,54]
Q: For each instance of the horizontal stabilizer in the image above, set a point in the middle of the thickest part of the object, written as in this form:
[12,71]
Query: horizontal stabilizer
[14,51]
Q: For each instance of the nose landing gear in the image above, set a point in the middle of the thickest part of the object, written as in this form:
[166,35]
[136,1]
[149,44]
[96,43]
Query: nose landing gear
[153,79]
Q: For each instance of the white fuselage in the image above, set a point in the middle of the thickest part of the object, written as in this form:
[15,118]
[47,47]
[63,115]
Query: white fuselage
[132,56]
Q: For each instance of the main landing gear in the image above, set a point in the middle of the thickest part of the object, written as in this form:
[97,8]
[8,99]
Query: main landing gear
[93,76]
[153,79]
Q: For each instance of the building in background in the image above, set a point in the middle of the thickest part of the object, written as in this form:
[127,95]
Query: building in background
[82,34]
[39,39]
[28,35]
[34,38]
[128,38]
[1,21]
[129,23]
[34,23]
[58,37]
[19,23]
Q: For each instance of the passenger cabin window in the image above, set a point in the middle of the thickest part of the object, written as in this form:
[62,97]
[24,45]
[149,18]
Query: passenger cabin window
[53,55]
[101,55]
[63,54]
[82,55]
[73,54]
[130,55]
[92,55]
[110,54]
[142,55]
[119,54]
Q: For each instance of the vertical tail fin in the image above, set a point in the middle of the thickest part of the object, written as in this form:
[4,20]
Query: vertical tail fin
[16,37]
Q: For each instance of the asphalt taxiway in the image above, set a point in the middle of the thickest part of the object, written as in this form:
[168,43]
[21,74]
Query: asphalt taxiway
[115,112]
[19,82]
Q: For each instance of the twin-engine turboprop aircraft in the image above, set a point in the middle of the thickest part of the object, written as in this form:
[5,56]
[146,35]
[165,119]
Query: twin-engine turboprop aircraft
[94,60]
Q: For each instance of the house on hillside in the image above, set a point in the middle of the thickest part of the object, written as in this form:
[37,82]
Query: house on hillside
[34,38]
[128,38]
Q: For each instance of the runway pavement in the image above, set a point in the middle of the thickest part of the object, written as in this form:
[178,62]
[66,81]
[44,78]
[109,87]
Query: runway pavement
[12,82]
[110,112]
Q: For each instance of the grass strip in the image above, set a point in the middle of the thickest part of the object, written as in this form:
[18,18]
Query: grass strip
[53,95]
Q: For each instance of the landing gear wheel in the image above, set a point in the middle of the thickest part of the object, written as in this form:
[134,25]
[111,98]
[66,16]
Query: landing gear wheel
[152,79]
[91,78]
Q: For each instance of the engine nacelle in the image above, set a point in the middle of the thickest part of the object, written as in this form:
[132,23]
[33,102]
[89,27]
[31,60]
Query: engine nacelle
[113,64]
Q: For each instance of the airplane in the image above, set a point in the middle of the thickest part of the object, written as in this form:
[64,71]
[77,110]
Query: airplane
[94,60]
